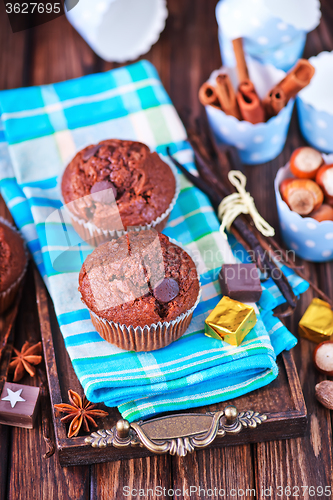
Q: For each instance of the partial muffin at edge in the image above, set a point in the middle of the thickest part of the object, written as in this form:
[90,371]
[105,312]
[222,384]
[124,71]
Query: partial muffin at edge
[13,258]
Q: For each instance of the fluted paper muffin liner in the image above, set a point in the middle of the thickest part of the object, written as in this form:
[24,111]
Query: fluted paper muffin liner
[7,296]
[149,337]
[94,235]
[309,239]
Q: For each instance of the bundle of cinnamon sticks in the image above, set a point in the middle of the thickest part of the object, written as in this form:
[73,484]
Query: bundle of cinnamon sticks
[244,104]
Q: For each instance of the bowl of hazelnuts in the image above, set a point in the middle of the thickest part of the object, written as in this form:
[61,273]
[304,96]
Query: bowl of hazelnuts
[304,196]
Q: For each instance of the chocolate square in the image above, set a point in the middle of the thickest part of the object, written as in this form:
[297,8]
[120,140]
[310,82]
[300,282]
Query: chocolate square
[18,405]
[240,282]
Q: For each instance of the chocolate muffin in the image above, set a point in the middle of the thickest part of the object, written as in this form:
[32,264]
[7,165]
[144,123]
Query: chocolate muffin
[13,263]
[117,184]
[141,290]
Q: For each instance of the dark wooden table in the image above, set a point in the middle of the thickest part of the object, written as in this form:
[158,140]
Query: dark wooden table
[184,56]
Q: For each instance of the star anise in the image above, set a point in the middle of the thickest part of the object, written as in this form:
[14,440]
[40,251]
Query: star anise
[25,360]
[80,412]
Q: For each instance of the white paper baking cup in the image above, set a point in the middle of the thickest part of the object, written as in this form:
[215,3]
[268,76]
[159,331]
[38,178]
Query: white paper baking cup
[7,296]
[119,30]
[315,104]
[94,235]
[255,143]
[311,240]
[147,338]
[274,32]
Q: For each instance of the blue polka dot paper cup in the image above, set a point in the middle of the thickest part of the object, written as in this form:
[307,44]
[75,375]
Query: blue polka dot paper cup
[274,32]
[309,239]
[315,105]
[260,142]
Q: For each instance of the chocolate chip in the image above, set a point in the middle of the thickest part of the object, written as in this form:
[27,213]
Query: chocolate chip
[103,192]
[166,290]
[90,152]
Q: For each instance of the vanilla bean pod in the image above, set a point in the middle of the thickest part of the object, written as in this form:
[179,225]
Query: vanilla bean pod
[212,154]
[242,226]
[298,271]
[214,198]
[203,162]
[259,254]
[197,181]
[269,265]
[290,263]
[212,151]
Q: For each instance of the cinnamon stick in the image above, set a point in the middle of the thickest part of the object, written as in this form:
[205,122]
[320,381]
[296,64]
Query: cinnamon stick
[242,70]
[207,95]
[297,78]
[227,96]
[249,103]
[274,102]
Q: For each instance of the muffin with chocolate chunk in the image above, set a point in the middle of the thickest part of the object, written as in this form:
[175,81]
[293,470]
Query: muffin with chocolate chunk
[141,290]
[13,263]
[115,185]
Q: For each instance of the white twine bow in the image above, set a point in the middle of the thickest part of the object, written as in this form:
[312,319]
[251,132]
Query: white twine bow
[240,203]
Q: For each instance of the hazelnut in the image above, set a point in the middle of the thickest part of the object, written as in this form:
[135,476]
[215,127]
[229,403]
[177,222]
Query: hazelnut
[303,196]
[283,187]
[324,212]
[305,162]
[324,179]
[323,357]
[324,393]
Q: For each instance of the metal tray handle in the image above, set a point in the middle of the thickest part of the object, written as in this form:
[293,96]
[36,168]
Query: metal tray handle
[176,434]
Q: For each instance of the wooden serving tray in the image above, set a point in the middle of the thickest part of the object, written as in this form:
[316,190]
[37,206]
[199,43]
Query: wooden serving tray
[281,402]
[7,321]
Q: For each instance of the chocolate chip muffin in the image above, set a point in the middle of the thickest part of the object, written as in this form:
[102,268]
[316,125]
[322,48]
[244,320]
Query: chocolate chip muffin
[13,263]
[141,290]
[117,184]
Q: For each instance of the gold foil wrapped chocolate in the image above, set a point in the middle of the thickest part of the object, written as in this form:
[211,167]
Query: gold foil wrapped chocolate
[317,322]
[230,321]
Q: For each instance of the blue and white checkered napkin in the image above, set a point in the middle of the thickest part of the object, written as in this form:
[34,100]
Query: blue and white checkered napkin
[43,127]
